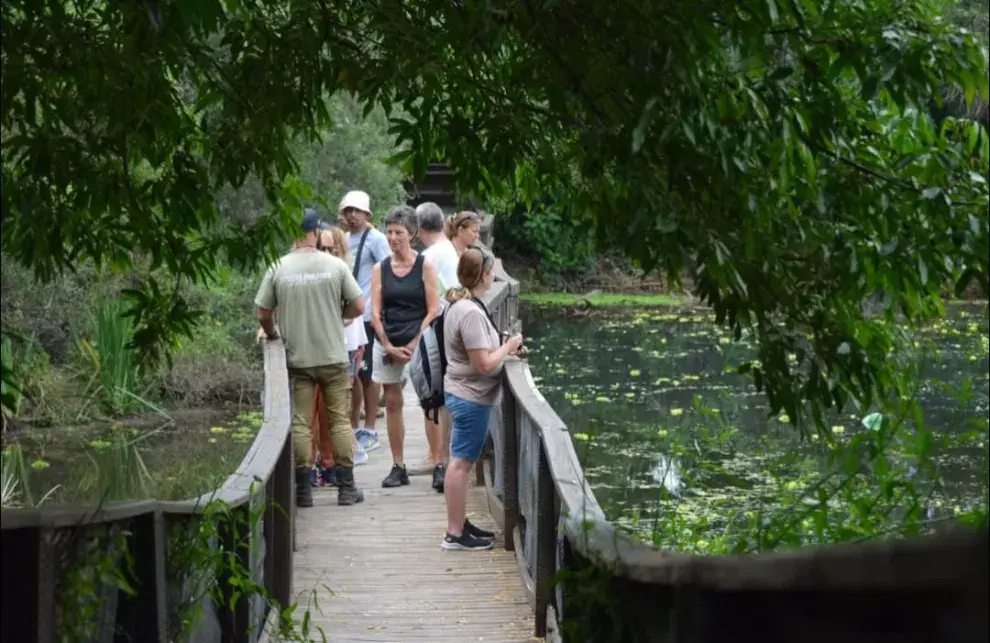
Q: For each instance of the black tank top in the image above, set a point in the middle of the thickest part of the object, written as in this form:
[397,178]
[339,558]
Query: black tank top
[403,302]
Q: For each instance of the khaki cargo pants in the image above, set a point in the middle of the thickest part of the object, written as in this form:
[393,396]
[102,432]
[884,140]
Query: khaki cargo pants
[335,386]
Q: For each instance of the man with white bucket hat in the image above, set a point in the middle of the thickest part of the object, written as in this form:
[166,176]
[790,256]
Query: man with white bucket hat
[368,247]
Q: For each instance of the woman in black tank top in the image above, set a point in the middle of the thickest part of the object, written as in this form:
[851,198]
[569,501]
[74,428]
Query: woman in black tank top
[405,299]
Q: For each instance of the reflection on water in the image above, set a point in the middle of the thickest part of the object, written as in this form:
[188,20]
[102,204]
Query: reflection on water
[666,473]
[631,385]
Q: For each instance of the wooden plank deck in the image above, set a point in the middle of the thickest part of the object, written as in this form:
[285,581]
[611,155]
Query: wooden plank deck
[378,571]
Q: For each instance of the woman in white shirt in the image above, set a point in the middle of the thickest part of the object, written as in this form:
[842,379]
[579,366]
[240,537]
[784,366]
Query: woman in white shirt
[334,241]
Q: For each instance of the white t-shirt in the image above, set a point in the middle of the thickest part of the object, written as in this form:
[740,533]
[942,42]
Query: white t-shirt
[443,254]
[354,335]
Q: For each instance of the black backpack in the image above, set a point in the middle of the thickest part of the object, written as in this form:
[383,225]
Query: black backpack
[428,364]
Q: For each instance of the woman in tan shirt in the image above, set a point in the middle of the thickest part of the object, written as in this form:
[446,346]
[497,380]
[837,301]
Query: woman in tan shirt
[471,387]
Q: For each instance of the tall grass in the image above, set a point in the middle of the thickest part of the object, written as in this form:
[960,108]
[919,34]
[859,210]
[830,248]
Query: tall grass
[112,359]
[10,390]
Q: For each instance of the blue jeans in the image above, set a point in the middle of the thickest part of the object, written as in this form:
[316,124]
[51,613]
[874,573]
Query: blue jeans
[469,427]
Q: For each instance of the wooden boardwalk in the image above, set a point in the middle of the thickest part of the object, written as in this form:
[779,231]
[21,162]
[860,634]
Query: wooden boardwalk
[377,570]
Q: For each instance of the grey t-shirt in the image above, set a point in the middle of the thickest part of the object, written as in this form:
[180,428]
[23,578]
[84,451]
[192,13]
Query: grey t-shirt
[309,291]
[466,328]
[375,250]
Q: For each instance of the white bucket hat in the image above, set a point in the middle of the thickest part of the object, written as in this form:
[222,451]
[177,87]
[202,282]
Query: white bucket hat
[356,199]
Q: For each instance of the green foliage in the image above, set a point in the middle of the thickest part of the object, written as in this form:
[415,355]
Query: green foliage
[95,564]
[15,478]
[880,483]
[560,244]
[196,561]
[782,151]
[352,155]
[602,300]
[10,393]
[112,358]
[107,155]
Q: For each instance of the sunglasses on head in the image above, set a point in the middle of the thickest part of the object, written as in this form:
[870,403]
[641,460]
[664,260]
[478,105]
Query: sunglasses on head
[466,217]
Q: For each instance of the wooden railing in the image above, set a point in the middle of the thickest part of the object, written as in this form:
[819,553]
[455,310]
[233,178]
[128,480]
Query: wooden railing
[588,581]
[131,563]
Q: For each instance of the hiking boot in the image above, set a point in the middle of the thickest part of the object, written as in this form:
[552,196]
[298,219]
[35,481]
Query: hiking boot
[465,541]
[304,490]
[397,477]
[347,491]
[439,472]
[477,532]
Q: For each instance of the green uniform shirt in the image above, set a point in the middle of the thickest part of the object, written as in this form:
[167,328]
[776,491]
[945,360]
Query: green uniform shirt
[310,291]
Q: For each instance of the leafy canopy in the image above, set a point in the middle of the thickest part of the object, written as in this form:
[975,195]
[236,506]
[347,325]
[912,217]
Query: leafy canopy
[782,150]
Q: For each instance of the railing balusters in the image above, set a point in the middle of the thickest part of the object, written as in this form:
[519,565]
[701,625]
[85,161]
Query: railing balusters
[284,528]
[235,611]
[509,459]
[546,539]
[143,616]
[279,536]
[28,597]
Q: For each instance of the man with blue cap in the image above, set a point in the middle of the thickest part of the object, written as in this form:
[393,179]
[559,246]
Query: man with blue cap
[314,292]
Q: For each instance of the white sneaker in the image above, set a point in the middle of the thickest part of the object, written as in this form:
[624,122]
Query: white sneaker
[360,456]
[367,438]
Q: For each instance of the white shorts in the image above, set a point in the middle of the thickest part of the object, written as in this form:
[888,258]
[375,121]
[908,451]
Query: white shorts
[385,373]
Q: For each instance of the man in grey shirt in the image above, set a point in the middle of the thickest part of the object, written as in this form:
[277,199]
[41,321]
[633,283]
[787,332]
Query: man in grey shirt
[368,247]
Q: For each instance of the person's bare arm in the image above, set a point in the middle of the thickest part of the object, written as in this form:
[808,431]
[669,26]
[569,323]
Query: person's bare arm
[267,302]
[431,285]
[485,361]
[267,319]
[431,279]
[376,306]
[354,309]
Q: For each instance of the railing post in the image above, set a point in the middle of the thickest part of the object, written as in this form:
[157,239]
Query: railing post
[28,598]
[509,458]
[546,540]
[235,612]
[143,616]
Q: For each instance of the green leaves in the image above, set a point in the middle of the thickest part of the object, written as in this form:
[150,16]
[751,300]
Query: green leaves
[763,146]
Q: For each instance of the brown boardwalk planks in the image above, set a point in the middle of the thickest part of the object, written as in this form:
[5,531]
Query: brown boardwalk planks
[377,572]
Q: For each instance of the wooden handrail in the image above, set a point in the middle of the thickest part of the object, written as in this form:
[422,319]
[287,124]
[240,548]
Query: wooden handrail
[30,541]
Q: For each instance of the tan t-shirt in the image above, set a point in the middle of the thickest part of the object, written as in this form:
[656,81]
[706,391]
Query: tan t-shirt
[466,328]
[310,291]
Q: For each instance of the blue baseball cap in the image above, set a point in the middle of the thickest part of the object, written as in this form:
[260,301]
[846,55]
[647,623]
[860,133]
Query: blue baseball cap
[311,221]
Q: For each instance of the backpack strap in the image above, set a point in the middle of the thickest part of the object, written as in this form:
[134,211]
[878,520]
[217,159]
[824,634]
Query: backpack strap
[484,309]
[360,251]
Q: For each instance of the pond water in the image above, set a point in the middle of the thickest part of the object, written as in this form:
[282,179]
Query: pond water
[680,449]
[184,454]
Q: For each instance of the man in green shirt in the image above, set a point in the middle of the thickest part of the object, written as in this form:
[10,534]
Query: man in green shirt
[314,292]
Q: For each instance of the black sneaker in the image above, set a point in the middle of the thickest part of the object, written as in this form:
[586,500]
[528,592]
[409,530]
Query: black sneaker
[439,472]
[465,541]
[477,532]
[397,477]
